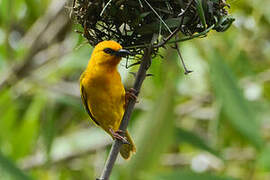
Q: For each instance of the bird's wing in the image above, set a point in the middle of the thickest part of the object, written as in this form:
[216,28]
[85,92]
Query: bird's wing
[84,100]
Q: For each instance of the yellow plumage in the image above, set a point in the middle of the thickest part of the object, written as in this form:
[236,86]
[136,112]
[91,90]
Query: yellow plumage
[102,91]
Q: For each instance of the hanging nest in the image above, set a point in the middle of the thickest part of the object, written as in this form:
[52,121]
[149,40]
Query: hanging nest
[132,23]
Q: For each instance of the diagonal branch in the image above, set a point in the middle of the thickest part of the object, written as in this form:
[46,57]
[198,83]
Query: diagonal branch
[38,38]
[145,64]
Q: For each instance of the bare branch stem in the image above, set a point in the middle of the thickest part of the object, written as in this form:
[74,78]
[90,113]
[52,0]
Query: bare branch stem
[145,64]
[167,40]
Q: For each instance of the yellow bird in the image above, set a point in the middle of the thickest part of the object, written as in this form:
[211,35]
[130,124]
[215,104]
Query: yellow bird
[103,93]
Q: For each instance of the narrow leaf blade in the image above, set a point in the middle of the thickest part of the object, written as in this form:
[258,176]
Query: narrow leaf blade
[12,169]
[235,106]
[183,135]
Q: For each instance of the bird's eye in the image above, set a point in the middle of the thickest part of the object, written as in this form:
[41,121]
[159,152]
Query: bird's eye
[109,51]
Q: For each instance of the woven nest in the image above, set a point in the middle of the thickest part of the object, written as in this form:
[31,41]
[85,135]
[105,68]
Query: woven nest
[132,23]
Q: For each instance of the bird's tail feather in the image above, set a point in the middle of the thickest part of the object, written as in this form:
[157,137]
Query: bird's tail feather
[128,149]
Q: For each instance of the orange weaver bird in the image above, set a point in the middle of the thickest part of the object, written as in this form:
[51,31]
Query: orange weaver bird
[103,93]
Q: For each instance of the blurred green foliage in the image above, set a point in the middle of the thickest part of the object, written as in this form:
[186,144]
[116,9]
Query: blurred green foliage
[212,124]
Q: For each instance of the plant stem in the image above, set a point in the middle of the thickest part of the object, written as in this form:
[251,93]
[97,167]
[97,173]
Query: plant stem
[166,41]
[145,64]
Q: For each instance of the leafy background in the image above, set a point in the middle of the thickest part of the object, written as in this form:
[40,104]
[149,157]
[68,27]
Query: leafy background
[212,124]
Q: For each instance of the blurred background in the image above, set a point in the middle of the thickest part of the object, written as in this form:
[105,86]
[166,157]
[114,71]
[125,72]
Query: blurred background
[213,124]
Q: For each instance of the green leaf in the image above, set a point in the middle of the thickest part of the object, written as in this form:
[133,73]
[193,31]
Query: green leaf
[49,130]
[224,23]
[8,117]
[200,11]
[5,14]
[8,166]
[155,130]
[145,14]
[27,133]
[183,135]
[235,106]
[189,175]
[264,159]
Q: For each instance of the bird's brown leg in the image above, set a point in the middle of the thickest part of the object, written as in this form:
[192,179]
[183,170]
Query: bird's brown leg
[118,135]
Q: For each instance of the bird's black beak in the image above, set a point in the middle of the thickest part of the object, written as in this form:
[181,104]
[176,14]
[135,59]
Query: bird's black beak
[123,53]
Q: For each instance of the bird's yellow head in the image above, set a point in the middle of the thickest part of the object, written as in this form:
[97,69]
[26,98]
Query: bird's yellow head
[108,52]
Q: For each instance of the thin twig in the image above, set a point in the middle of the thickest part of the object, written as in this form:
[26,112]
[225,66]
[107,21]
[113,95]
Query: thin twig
[105,7]
[182,60]
[41,35]
[145,64]
[140,3]
[169,37]
[186,9]
[177,29]
[202,34]
[167,40]
[158,16]
[41,159]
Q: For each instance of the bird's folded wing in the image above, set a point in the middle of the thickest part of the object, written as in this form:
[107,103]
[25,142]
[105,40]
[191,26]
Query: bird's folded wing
[84,100]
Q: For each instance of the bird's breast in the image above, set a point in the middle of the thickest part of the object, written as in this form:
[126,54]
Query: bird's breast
[106,97]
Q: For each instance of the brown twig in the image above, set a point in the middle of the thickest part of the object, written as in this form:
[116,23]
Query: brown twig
[42,160]
[145,64]
[177,29]
[43,33]
[182,39]
[182,60]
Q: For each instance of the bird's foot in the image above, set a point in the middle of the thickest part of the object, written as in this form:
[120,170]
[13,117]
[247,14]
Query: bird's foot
[131,94]
[119,134]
